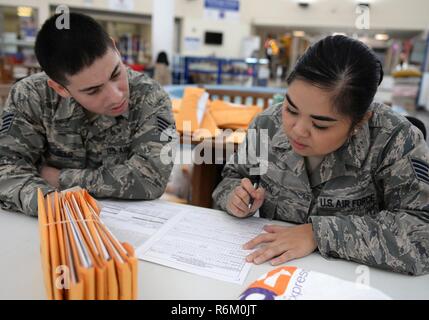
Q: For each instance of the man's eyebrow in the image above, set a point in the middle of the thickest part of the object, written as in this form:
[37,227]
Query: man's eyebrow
[316,117]
[114,70]
[99,86]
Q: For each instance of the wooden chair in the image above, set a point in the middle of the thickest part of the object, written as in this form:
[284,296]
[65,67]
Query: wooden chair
[205,177]
[419,124]
[4,92]
[244,97]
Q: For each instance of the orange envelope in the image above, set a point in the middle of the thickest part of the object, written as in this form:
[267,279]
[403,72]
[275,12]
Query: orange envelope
[87,274]
[123,269]
[188,110]
[95,265]
[75,290]
[54,250]
[112,280]
[44,244]
[90,239]
[133,263]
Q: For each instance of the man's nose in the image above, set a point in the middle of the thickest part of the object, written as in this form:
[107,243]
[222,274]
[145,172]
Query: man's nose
[115,93]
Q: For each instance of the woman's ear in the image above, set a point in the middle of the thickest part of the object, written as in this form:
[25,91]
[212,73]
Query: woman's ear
[58,88]
[364,120]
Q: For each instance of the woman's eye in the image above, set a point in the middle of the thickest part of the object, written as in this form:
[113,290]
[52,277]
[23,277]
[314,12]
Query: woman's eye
[319,127]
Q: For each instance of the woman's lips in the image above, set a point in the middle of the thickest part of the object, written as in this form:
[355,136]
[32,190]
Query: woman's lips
[298,145]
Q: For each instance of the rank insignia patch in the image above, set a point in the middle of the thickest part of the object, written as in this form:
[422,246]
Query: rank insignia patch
[6,122]
[421,170]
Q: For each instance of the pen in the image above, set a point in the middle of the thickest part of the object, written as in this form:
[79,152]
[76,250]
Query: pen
[255,186]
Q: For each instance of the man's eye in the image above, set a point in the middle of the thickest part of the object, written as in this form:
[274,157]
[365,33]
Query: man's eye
[93,92]
[291,111]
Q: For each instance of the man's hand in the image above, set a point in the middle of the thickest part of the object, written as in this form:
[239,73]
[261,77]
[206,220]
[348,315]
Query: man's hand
[239,199]
[282,244]
[51,175]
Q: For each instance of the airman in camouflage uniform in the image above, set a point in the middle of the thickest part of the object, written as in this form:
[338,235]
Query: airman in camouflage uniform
[109,156]
[367,202]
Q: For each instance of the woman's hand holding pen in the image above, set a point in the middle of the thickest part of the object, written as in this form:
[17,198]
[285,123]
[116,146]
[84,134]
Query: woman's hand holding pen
[242,196]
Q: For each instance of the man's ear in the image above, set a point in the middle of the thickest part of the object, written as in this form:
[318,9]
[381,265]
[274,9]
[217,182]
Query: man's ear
[114,45]
[58,88]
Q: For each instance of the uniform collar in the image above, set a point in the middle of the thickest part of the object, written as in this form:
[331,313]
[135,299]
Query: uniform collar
[96,124]
[355,150]
[100,123]
[66,109]
[127,114]
[352,153]
[295,162]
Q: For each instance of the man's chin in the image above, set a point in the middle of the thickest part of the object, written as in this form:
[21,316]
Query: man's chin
[120,110]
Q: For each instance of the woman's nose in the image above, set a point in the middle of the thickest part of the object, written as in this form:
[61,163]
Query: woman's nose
[301,129]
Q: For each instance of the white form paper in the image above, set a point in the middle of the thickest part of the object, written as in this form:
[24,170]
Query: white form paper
[136,222]
[204,243]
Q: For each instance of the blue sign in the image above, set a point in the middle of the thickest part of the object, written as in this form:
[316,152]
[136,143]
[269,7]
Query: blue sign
[223,5]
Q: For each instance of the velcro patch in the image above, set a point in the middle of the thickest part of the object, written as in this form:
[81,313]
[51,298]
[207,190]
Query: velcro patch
[6,122]
[421,170]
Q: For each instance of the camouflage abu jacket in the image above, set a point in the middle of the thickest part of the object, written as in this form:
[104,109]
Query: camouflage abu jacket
[109,156]
[368,201]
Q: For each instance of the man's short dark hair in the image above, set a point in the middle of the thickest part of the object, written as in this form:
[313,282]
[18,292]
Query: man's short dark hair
[65,52]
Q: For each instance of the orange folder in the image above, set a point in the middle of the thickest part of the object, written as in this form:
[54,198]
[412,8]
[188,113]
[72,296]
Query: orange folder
[54,250]
[44,244]
[75,284]
[86,273]
[81,258]
[188,110]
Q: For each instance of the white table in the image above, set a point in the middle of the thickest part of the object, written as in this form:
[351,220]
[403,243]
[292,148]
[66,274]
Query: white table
[21,274]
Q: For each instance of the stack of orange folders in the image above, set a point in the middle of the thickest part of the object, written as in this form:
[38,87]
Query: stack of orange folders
[81,258]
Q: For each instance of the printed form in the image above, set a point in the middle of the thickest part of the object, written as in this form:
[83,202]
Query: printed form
[204,243]
[136,222]
[192,239]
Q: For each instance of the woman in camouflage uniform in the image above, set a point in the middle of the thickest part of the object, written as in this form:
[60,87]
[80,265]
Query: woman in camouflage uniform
[352,174]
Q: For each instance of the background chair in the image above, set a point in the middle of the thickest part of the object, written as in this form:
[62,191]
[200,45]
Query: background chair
[4,92]
[419,124]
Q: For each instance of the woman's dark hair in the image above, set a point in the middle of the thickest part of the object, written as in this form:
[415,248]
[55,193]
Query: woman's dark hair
[65,52]
[162,58]
[347,68]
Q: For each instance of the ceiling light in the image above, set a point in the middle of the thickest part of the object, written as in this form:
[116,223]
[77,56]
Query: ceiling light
[298,33]
[381,36]
[25,11]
